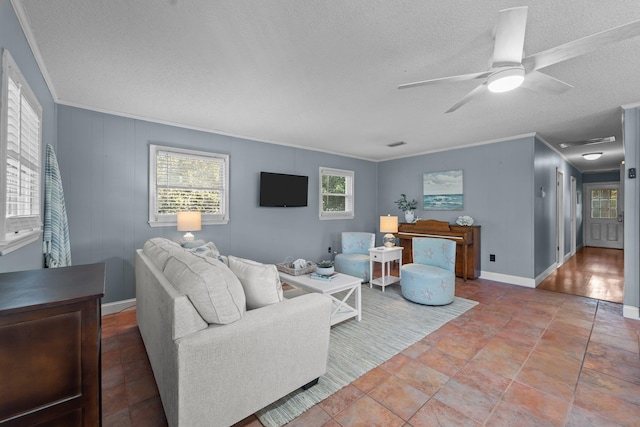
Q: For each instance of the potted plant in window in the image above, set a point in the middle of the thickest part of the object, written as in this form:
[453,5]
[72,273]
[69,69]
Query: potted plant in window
[407,207]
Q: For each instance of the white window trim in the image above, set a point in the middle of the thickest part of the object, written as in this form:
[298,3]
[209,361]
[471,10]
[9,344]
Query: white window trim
[336,215]
[18,240]
[171,220]
[10,242]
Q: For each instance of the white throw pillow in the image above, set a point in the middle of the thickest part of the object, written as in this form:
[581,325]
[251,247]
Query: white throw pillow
[212,288]
[261,282]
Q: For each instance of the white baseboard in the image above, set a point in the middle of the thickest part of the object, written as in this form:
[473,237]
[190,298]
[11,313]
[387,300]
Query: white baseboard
[506,278]
[553,267]
[631,312]
[118,306]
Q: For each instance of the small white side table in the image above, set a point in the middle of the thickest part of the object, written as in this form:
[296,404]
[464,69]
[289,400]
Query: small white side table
[384,256]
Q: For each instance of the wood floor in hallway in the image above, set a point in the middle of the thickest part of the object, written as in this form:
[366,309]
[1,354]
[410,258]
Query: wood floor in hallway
[592,272]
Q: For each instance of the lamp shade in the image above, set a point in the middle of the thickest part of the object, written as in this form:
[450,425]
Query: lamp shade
[388,224]
[189,221]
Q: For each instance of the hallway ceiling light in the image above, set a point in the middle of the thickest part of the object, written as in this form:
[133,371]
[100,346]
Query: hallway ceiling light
[592,156]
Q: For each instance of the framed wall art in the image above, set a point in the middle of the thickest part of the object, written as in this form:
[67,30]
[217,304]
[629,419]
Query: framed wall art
[442,191]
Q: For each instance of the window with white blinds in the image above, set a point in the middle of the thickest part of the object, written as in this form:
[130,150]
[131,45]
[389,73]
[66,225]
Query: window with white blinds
[336,194]
[187,180]
[20,151]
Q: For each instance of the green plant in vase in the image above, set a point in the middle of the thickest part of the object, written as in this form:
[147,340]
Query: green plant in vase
[407,207]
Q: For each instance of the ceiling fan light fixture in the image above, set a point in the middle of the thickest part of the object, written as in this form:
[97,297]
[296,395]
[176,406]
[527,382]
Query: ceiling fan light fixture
[592,156]
[506,80]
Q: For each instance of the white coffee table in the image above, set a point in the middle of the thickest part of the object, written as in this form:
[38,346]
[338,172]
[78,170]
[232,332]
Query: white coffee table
[342,282]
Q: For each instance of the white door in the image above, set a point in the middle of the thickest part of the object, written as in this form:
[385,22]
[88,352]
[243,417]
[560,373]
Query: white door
[604,221]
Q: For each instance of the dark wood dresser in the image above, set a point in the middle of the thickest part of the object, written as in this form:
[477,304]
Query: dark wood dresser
[467,240]
[50,346]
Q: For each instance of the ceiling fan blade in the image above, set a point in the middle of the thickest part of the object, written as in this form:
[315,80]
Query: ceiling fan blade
[541,82]
[509,40]
[459,78]
[468,97]
[581,46]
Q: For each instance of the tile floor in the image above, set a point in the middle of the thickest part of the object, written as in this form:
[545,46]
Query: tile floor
[521,357]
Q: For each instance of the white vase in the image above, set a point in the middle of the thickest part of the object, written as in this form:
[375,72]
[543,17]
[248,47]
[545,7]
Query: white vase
[409,216]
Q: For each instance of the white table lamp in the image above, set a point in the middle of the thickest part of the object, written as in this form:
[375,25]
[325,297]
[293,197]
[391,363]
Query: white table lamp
[189,221]
[389,225]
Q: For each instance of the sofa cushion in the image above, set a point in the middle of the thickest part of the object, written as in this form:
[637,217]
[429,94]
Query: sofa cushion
[261,282]
[159,250]
[212,288]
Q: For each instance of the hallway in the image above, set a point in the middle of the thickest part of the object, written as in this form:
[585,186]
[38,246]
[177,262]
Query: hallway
[592,272]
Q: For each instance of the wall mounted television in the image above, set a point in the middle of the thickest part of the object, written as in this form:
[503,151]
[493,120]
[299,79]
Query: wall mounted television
[282,190]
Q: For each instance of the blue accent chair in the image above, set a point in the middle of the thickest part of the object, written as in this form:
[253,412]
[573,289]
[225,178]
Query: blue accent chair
[354,259]
[431,278]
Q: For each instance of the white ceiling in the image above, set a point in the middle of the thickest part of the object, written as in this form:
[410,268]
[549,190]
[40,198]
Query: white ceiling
[323,74]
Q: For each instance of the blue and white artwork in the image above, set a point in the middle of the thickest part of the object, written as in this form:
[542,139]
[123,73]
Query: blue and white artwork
[442,190]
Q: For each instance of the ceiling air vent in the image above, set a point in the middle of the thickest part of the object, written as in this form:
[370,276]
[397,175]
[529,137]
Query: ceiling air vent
[592,141]
[396,144]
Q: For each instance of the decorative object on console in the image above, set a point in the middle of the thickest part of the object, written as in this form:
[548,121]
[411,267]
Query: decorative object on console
[464,220]
[409,216]
[407,207]
[189,221]
[389,225]
[442,191]
[325,268]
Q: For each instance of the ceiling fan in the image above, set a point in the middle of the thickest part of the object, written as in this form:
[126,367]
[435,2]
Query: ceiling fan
[508,67]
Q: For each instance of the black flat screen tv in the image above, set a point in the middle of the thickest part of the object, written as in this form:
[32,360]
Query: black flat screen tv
[282,190]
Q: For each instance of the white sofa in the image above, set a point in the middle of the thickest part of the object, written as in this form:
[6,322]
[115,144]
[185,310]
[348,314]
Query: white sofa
[212,374]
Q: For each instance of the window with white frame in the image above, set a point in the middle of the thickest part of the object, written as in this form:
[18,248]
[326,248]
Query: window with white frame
[336,194]
[20,142]
[187,180]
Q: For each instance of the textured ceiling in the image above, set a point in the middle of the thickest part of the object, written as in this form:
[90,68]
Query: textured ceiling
[324,74]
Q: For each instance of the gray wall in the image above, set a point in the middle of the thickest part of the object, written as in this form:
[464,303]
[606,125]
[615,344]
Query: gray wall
[104,165]
[612,176]
[13,39]
[546,162]
[631,210]
[498,194]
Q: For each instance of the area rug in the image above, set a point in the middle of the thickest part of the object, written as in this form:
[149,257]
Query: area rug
[389,325]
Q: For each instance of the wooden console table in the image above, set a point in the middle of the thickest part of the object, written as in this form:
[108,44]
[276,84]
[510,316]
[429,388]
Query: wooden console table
[467,240]
[50,346]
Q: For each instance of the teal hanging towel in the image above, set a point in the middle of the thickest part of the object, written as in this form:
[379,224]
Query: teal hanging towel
[57,248]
